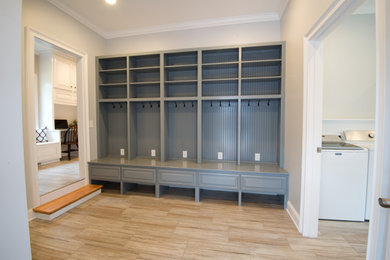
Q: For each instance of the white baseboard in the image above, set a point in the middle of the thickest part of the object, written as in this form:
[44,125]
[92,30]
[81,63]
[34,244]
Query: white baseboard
[294,215]
[67,208]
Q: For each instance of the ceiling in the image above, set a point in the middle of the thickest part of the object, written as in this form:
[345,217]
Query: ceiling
[136,17]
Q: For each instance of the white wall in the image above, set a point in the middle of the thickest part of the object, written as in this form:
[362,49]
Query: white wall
[14,234]
[50,21]
[197,38]
[65,112]
[299,17]
[349,69]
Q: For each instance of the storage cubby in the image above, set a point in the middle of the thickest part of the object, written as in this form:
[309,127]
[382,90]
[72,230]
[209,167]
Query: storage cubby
[180,74]
[220,71]
[112,128]
[261,87]
[181,124]
[117,63]
[261,69]
[181,58]
[220,56]
[219,129]
[220,88]
[181,89]
[260,130]
[113,92]
[261,53]
[144,129]
[150,90]
[144,61]
[112,77]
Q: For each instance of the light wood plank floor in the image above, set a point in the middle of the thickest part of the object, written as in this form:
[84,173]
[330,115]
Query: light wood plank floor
[56,175]
[139,226]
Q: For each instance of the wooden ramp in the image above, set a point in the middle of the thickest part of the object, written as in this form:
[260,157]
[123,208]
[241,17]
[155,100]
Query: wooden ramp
[55,208]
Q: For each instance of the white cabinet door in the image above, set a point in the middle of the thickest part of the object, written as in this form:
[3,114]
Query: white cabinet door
[64,81]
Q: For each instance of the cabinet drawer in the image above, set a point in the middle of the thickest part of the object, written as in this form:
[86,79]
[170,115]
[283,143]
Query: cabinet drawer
[219,181]
[138,175]
[266,184]
[105,173]
[173,177]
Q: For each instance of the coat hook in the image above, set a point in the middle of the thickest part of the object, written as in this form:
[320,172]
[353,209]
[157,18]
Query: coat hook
[120,105]
[192,103]
[175,104]
[220,103]
[258,102]
[268,103]
[113,105]
[211,103]
[229,103]
[143,105]
[158,105]
[150,104]
[249,103]
[184,104]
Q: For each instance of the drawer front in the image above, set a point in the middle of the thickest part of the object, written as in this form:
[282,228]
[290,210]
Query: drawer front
[109,173]
[268,184]
[138,175]
[219,181]
[173,177]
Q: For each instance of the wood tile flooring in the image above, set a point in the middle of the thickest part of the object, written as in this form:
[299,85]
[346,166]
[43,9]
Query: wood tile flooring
[138,226]
[57,175]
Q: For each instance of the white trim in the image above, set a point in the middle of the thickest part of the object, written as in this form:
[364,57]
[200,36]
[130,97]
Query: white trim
[293,213]
[67,208]
[205,23]
[379,230]
[312,112]
[31,215]
[29,118]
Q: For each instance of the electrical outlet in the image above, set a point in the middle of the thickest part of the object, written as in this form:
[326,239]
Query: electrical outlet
[153,152]
[220,155]
[184,154]
[257,157]
[122,152]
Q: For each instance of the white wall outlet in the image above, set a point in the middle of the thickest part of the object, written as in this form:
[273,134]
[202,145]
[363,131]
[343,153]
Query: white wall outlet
[220,155]
[257,157]
[122,151]
[153,152]
[184,154]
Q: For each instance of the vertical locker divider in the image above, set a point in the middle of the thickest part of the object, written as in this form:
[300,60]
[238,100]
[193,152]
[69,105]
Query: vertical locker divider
[128,107]
[282,112]
[239,107]
[199,112]
[163,117]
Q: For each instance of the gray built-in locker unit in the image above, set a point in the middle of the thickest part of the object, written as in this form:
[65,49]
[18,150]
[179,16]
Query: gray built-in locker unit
[208,103]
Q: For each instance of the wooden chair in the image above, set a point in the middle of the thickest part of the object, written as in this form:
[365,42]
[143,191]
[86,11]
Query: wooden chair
[70,140]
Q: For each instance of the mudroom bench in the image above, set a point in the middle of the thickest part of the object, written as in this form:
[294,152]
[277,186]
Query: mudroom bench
[262,178]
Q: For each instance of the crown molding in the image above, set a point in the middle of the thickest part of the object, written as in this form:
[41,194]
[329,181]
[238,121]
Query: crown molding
[206,23]
[78,17]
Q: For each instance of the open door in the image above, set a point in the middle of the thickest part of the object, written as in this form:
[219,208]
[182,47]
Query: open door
[379,233]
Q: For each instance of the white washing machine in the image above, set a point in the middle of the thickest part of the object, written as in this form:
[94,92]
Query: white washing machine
[365,139]
[343,180]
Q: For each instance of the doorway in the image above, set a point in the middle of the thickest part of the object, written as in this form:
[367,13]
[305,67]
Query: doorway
[50,170]
[313,62]
[55,117]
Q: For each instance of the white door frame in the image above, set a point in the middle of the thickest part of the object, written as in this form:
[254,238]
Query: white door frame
[379,232]
[312,117]
[32,185]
